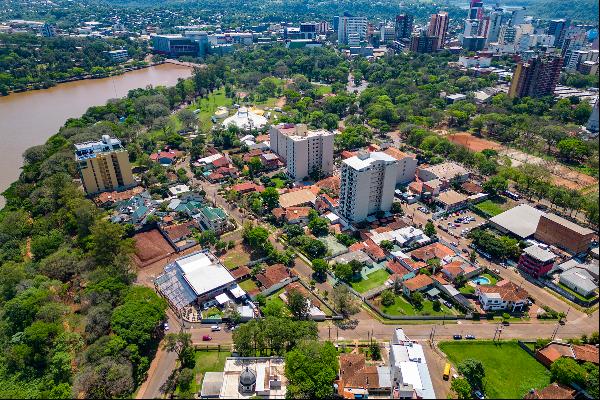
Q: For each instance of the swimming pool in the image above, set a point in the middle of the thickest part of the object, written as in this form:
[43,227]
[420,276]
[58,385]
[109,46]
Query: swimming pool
[481,280]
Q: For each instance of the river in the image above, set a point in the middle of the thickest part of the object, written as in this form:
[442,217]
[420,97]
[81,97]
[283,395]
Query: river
[30,118]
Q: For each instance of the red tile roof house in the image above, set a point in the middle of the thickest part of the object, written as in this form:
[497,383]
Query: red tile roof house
[552,391]
[292,215]
[247,187]
[274,277]
[433,250]
[356,378]
[555,350]
[166,157]
[508,296]
[371,248]
[458,268]
[419,283]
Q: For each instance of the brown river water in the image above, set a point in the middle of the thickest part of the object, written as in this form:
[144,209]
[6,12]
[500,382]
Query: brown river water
[30,118]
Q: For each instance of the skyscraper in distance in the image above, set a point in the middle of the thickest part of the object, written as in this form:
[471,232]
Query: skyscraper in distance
[537,77]
[438,27]
[404,26]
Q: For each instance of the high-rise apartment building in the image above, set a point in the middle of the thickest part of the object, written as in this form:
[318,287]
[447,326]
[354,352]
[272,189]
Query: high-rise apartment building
[404,26]
[303,150]
[496,22]
[368,181]
[103,165]
[351,27]
[423,43]
[438,27]
[558,28]
[537,77]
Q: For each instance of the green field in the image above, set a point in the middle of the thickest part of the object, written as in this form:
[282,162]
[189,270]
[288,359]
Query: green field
[248,285]
[235,258]
[206,361]
[279,183]
[510,372]
[494,207]
[208,105]
[375,279]
[403,307]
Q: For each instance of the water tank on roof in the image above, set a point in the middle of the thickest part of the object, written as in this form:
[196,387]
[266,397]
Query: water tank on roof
[105,139]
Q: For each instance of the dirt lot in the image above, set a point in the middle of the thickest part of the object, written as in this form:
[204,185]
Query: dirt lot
[151,247]
[560,174]
[473,143]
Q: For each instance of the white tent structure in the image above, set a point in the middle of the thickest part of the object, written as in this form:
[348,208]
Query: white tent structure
[245,120]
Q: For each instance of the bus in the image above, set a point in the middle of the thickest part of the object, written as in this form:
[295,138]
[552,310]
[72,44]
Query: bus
[447,372]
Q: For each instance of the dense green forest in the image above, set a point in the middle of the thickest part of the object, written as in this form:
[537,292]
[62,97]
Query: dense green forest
[27,60]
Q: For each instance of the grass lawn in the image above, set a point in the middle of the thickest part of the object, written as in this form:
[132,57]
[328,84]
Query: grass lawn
[490,207]
[493,280]
[235,258]
[248,285]
[279,183]
[212,312]
[206,361]
[509,371]
[467,289]
[208,105]
[403,307]
[322,89]
[376,279]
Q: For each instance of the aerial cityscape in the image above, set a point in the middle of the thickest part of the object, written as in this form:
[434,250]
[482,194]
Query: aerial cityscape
[299,199]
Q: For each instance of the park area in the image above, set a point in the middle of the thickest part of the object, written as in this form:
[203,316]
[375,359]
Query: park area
[374,280]
[473,143]
[510,372]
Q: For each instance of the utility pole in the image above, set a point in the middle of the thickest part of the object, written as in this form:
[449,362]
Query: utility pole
[558,324]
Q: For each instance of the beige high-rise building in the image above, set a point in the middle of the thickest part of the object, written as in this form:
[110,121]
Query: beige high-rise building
[103,165]
[303,150]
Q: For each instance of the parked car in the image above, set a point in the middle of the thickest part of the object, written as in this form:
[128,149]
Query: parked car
[470,337]
[215,328]
[479,395]
[506,323]
[166,326]
[457,337]
[448,304]
[206,338]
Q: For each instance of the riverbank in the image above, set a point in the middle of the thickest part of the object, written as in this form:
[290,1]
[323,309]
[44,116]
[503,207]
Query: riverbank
[122,71]
[29,118]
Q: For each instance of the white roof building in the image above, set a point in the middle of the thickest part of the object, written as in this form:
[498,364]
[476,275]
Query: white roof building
[521,221]
[403,236]
[245,120]
[410,374]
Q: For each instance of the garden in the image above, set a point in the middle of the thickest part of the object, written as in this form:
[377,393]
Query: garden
[206,361]
[374,280]
[495,206]
[401,306]
[510,372]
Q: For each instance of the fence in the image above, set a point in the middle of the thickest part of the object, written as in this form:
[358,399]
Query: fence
[570,296]
[414,317]
[524,346]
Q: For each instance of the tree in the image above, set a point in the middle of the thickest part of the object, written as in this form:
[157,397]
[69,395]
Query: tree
[386,245]
[108,243]
[320,267]
[255,236]
[344,302]
[138,317]
[387,298]
[473,372]
[429,229]
[318,226]
[375,351]
[254,166]
[185,378]
[397,208]
[311,369]
[437,305]
[461,387]
[567,371]
[344,272]
[298,304]
[188,118]
[473,256]
[273,309]
[270,197]
[417,299]
[293,231]
[177,342]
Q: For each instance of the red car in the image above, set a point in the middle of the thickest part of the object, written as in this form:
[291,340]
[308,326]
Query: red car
[206,338]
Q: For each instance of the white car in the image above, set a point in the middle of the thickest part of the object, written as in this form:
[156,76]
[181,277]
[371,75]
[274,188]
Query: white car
[215,328]
[166,326]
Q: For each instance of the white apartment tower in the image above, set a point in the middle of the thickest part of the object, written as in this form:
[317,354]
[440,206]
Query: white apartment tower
[352,27]
[367,185]
[303,150]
